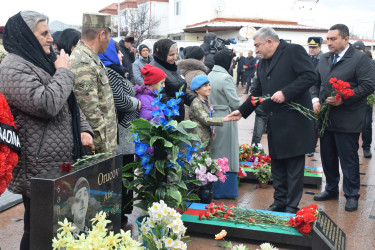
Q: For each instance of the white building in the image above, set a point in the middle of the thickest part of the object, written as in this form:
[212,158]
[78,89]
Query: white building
[190,19]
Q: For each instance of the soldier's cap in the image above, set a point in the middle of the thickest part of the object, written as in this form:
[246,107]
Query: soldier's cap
[359,45]
[314,41]
[95,20]
[198,82]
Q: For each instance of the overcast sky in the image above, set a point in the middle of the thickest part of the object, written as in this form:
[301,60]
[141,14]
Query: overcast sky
[359,15]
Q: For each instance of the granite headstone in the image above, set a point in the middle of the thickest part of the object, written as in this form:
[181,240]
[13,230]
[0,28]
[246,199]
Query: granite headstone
[92,186]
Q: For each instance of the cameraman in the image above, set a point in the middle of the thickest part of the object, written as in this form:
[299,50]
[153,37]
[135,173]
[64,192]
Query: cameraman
[206,46]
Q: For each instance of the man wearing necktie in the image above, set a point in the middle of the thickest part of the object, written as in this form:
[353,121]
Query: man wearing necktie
[339,143]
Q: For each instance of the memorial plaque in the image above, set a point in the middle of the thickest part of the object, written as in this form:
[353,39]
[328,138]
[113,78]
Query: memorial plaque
[92,186]
[327,235]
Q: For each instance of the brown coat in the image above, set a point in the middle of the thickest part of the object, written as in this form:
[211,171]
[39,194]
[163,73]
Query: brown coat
[191,68]
[38,102]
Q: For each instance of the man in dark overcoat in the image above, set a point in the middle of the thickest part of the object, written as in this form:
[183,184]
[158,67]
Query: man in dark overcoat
[249,65]
[339,143]
[285,73]
[240,70]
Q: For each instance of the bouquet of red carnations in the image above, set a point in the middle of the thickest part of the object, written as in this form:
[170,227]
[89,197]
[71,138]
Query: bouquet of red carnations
[341,90]
[304,219]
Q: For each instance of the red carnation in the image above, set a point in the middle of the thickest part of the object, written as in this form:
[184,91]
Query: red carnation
[256,65]
[66,167]
[338,97]
[332,80]
[252,102]
[347,93]
[260,100]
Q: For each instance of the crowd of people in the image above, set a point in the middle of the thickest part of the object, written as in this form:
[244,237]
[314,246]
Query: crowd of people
[77,92]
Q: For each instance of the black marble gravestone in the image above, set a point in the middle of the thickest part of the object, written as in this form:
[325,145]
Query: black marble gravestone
[327,235]
[92,186]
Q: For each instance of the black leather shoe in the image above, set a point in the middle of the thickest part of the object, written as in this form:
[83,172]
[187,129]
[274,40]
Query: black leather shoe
[291,210]
[367,153]
[276,208]
[325,196]
[351,204]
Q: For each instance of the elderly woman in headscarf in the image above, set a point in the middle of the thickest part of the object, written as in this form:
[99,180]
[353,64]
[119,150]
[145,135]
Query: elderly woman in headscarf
[165,56]
[224,100]
[38,87]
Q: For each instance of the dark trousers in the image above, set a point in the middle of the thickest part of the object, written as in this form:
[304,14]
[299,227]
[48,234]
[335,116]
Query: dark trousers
[25,241]
[341,148]
[259,128]
[367,129]
[287,176]
[239,78]
[248,84]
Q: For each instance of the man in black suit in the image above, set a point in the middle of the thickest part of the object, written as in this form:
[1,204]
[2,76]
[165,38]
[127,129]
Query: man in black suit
[339,143]
[250,68]
[240,70]
[285,73]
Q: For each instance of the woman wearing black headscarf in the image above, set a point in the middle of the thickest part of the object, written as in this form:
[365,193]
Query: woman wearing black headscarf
[224,100]
[165,56]
[38,87]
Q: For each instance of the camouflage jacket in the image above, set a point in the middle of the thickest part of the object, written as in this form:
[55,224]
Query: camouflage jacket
[94,95]
[199,112]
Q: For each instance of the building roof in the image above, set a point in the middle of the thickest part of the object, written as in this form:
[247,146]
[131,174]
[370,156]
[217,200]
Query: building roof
[219,24]
[144,1]
[110,9]
[128,4]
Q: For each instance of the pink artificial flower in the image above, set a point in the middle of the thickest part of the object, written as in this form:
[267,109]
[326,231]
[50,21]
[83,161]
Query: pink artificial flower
[222,178]
[211,177]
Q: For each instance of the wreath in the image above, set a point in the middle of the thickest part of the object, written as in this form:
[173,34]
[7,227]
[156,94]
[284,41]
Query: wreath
[9,144]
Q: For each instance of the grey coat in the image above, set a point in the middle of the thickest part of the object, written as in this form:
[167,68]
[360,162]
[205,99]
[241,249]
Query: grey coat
[224,100]
[38,102]
[139,63]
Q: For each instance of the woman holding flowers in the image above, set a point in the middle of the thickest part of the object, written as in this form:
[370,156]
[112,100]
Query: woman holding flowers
[224,100]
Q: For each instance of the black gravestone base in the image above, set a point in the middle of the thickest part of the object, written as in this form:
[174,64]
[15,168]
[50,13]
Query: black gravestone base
[93,186]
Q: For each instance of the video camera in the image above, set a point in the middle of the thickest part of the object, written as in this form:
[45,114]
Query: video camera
[218,44]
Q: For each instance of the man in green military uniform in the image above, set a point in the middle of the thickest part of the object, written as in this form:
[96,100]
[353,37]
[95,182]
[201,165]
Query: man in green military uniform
[91,86]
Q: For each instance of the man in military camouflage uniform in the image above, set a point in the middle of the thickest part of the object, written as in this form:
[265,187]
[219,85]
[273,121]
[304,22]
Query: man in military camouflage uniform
[91,86]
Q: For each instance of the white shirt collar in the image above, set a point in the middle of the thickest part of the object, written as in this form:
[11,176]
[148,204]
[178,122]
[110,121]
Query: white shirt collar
[342,53]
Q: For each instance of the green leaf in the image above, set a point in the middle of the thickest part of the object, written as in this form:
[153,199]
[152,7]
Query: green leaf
[182,131]
[127,175]
[181,184]
[192,197]
[172,123]
[176,195]
[174,154]
[227,244]
[154,139]
[141,123]
[129,166]
[160,193]
[159,164]
[195,182]
[187,124]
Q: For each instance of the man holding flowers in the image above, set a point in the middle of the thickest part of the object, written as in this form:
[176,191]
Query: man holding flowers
[342,67]
[285,74]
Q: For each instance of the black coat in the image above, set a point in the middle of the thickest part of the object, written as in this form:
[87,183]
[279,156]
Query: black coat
[240,63]
[290,133]
[250,71]
[127,60]
[355,68]
[173,83]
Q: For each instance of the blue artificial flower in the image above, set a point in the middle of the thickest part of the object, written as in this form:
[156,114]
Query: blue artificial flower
[188,156]
[167,112]
[148,168]
[156,92]
[163,121]
[171,103]
[163,107]
[155,102]
[136,140]
[181,164]
[175,111]
[170,165]
[145,159]
[140,148]
[156,113]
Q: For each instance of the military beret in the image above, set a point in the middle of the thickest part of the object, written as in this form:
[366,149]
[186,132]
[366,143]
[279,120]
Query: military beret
[314,41]
[198,82]
[100,21]
[359,45]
